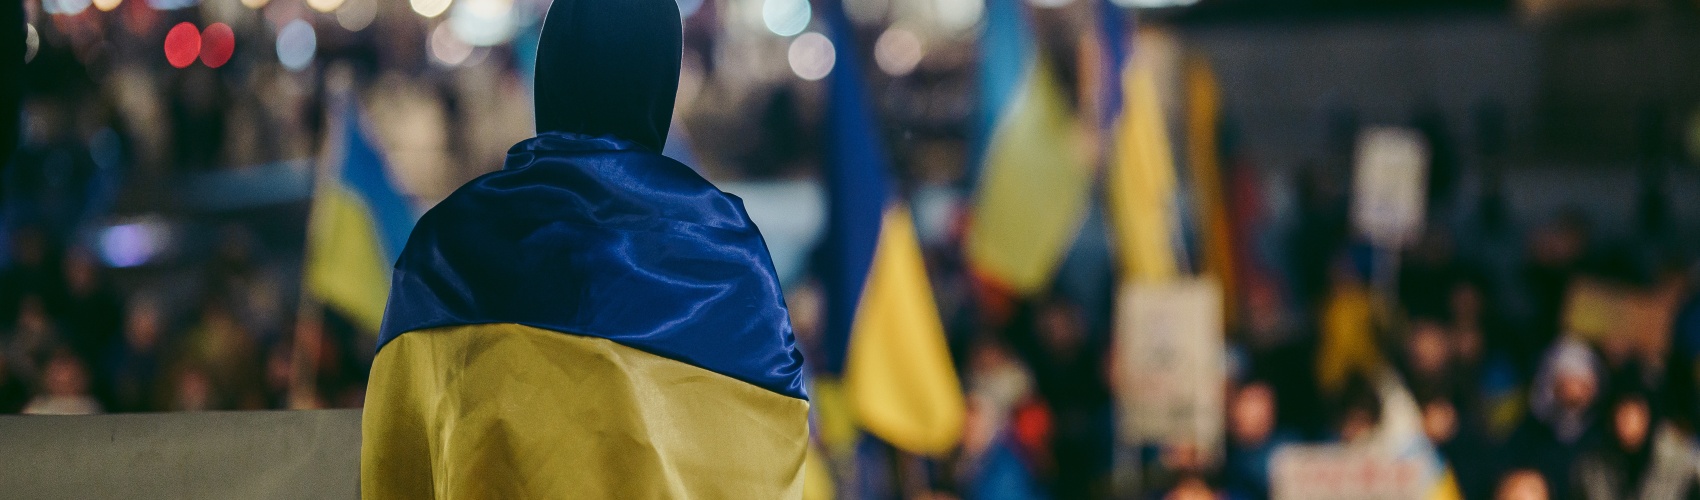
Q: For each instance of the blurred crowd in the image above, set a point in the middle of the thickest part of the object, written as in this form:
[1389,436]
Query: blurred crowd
[1529,355]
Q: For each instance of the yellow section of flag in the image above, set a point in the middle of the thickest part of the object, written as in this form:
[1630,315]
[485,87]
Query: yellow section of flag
[345,264]
[898,372]
[1142,182]
[1034,190]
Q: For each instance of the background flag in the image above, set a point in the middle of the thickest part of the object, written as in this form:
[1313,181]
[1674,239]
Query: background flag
[1142,180]
[1203,119]
[881,315]
[1036,175]
[359,223]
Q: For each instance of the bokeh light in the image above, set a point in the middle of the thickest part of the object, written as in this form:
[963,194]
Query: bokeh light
[1152,4]
[483,23]
[430,8]
[867,11]
[958,15]
[255,4]
[446,48]
[1050,4]
[898,51]
[812,56]
[64,7]
[182,44]
[32,43]
[786,17]
[172,4]
[218,42]
[324,5]
[296,43]
[356,15]
[107,5]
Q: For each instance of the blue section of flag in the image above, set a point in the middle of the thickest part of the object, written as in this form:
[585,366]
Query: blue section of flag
[858,188]
[1004,47]
[364,174]
[1115,51]
[600,237]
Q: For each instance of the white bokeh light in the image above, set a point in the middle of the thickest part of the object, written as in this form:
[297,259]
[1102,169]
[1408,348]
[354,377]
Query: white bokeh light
[786,17]
[898,51]
[448,49]
[1152,4]
[812,56]
[32,43]
[429,8]
[483,23]
[356,15]
[324,5]
[958,15]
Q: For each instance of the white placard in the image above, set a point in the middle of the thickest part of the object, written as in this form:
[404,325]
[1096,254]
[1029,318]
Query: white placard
[1389,185]
[1170,364]
[1344,472]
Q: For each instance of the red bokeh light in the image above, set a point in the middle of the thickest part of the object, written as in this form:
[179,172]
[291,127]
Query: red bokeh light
[183,45]
[218,42]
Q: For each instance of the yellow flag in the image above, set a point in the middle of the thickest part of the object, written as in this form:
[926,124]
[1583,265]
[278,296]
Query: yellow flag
[1204,108]
[898,372]
[1035,188]
[1142,182]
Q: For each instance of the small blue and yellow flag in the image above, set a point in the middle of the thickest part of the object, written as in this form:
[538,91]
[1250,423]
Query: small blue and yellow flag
[359,223]
[1035,176]
[883,329]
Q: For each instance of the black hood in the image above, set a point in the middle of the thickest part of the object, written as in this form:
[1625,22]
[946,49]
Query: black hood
[609,67]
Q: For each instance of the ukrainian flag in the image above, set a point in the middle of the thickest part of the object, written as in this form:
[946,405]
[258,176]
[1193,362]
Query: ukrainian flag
[1142,179]
[595,320]
[358,225]
[1035,179]
[883,329]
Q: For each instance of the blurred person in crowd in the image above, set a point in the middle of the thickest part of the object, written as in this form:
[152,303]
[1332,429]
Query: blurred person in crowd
[193,390]
[31,271]
[32,337]
[1427,275]
[92,314]
[1681,382]
[1523,484]
[1556,253]
[222,345]
[1635,460]
[1358,411]
[1252,440]
[1562,413]
[14,392]
[64,388]
[1069,374]
[138,362]
[1191,488]
[1429,365]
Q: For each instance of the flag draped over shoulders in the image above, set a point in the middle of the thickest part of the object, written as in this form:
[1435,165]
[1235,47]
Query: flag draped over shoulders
[594,319]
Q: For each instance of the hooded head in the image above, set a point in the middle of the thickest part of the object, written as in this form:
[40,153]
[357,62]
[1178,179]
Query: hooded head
[609,67]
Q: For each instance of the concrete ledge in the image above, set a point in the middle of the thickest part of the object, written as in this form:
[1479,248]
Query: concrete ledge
[217,455]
